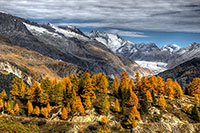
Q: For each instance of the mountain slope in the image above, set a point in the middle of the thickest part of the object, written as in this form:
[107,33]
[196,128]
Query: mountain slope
[184,73]
[65,43]
[185,54]
[30,65]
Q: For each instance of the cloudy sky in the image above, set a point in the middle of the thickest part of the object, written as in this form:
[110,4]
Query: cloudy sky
[159,21]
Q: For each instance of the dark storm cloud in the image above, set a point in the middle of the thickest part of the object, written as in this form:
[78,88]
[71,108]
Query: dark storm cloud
[155,15]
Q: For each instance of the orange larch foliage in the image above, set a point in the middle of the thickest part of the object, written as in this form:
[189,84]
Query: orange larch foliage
[194,87]
[64,114]
[3,94]
[16,108]
[137,79]
[136,113]
[162,102]
[87,103]
[36,111]
[105,105]
[77,106]
[117,106]
[133,100]
[68,86]
[169,90]
[104,120]
[44,112]
[149,97]
[1,104]
[178,90]
[29,107]
[48,108]
[102,84]
[115,86]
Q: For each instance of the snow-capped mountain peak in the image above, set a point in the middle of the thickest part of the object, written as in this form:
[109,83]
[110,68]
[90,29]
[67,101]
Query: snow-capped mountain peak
[171,48]
[112,41]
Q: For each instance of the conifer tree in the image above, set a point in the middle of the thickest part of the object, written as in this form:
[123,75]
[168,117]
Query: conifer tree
[105,105]
[68,87]
[117,106]
[1,104]
[3,95]
[131,85]
[75,83]
[135,112]
[160,86]
[178,90]
[131,122]
[44,112]
[195,113]
[153,97]
[162,102]
[94,80]
[46,85]
[36,111]
[133,100]
[137,79]
[194,87]
[196,98]
[169,90]
[115,86]
[87,103]
[8,109]
[102,84]
[19,90]
[77,105]
[149,98]
[16,108]
[64,114]
[48,108]
[58,92]
[29,107]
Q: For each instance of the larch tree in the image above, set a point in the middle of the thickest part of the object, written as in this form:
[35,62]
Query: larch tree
[104,120]
[105,105]
[36,93]
[49,107]
[87,103]
[162,102]
[136,113]
[94,80]
[64,114]
[29,107]
[36,111]
[1,104]
[46,85]
[169,90]
[102,84]
[149,97]
[16,108]
[133,100]
[137,79]
[3,95]
[115,86]
[19,90]
[194,87]
[131,122]
[68,87]
[58,92]
[77,106]
[178,90]
[75,82]
[117,106]
[44,112]
[131,85]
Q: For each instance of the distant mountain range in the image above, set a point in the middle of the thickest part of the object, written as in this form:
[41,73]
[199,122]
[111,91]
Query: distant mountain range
[68,44]
[148,55]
